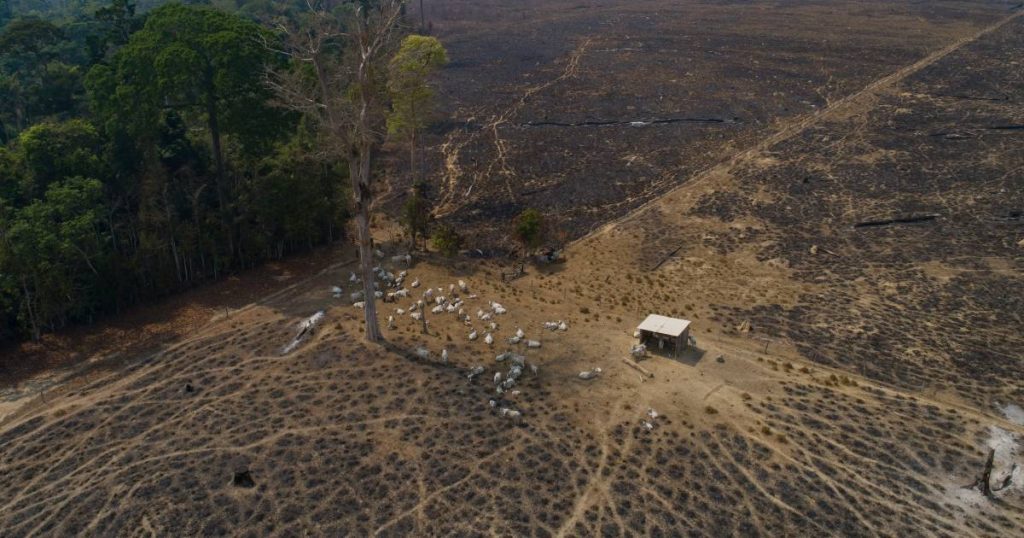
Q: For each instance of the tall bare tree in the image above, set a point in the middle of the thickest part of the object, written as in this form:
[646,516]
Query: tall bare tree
[340,52]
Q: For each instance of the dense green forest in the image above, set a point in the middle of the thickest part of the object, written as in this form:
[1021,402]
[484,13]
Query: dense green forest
[64,11]
[141,152]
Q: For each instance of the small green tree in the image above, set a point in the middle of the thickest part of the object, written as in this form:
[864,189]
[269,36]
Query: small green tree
[529,230]
[412,98]
[415,217]
[447,241]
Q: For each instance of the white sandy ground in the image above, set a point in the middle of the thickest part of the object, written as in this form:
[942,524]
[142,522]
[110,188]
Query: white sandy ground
[1013,413]
[1007,456]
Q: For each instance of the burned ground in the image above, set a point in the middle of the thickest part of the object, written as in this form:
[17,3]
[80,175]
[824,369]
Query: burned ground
[937,150]
[587,110]
[846,381]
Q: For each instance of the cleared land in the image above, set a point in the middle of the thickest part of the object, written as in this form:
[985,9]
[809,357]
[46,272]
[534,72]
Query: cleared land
[856,262]
[543,96]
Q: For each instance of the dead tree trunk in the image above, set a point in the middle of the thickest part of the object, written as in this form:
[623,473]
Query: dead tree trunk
[347,100]
[371,37]
[413,172]
[213,124]
[983,481]
[359,168]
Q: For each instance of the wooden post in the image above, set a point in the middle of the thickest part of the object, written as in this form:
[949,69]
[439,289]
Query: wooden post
[423,317]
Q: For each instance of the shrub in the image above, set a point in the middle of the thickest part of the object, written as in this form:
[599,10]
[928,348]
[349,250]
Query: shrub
[529,228]
[415,217]
[447,241]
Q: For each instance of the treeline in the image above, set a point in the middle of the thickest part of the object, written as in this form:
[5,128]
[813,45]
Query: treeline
[63,11]
[143,153]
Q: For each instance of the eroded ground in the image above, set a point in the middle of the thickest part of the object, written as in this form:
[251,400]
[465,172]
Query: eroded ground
[848,380]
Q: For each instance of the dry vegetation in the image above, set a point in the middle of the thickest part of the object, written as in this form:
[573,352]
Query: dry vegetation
[849,381]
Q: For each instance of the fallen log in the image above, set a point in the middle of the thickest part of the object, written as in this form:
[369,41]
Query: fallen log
[632,364]
[982,483]
[666,258]
[900,220]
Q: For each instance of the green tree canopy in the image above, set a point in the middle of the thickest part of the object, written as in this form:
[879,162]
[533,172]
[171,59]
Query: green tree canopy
[529,229]
[206,67]
[415,217]
[34,80]
[5,12]
[117,22]
[28,37]
[52,152]
[205,63]
[181,169]
[412,98]
[52,250]
[447,241]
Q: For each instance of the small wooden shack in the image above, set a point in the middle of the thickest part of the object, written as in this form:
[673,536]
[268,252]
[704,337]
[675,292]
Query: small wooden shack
[661,332]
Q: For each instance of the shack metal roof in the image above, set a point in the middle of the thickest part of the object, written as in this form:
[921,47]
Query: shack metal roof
[664,325]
